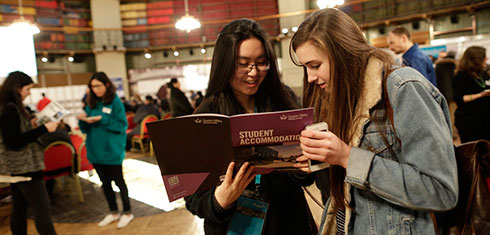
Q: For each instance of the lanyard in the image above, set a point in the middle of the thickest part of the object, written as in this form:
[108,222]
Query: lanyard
[257,184]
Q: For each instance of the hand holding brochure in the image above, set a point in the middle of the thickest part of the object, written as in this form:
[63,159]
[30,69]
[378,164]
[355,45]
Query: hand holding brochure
[53,112]
[194,151]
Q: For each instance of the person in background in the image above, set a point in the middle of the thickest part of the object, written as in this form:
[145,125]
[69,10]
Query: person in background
[105,124]
[445,69]
[388,143]
[135,102]
[400,43]
[43,102]
[162,93]
[178,101]
[127,106]
[199,99]
[245,79]
[148,108]
[472,95]
[22,155]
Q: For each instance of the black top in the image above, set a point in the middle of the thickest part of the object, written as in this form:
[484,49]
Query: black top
[179,103]
[465,84]
[13,138]
[471,118]
[288,210]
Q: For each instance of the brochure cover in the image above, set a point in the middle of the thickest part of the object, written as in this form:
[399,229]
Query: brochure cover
[194,151]
[53,112]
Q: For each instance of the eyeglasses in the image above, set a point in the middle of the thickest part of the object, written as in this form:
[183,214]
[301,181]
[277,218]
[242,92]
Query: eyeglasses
[247,68]
[97,86]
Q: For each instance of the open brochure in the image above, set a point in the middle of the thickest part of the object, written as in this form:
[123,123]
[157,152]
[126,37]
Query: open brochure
[53,112]
[194,151]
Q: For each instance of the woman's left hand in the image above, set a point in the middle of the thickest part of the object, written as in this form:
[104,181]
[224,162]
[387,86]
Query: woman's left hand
[302,164]
[34,122]
[325,147]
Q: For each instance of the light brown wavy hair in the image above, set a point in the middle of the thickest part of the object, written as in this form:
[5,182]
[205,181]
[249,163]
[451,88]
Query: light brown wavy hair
[340,38]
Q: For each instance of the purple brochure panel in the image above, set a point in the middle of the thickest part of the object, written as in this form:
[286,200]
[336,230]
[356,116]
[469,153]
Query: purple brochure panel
[269,140]
[182,185]
[269,128]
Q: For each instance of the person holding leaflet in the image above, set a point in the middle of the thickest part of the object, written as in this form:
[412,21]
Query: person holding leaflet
[389,141]
[245,79]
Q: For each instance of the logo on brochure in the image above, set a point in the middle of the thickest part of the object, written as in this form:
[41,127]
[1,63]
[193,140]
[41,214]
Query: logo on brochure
[173,181]
[293,117]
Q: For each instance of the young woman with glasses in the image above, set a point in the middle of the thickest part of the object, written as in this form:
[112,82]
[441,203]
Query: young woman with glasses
[105,124]
[245,79]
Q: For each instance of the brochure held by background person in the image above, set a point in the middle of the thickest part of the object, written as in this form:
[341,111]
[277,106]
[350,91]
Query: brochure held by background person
[194,151]
[53,112]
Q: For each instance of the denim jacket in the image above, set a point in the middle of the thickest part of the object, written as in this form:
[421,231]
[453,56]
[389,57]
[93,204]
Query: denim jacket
[393,191]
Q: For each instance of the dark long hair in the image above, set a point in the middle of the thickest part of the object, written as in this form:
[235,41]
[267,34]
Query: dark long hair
[472,61]
[271,95]
[109,94]
[9,93]
[340,38]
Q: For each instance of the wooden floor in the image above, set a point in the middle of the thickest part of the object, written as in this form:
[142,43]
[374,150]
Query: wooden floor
[179,221]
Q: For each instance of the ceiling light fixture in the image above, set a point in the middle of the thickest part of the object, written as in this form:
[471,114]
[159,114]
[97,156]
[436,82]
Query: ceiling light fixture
[203,50]
[187,22]
[22,25]
[329,3]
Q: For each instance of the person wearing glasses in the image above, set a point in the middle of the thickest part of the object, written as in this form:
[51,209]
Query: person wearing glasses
[389,143]
[105,124]
[245,79]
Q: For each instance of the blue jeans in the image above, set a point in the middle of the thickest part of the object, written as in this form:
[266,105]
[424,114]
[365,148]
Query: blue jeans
[31,194]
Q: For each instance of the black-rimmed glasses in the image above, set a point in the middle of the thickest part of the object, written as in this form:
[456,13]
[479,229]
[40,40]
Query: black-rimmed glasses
[247,68]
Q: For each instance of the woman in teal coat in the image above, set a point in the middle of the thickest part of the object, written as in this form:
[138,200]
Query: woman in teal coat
[105,124]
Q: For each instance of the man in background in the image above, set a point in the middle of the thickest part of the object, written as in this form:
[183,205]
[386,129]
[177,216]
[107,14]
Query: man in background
[148,108]
[399,41]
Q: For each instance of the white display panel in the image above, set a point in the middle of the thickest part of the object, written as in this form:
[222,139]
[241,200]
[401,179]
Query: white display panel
[17,53]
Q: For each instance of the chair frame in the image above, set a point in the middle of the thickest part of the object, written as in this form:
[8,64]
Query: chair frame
[139,139]
[73,172]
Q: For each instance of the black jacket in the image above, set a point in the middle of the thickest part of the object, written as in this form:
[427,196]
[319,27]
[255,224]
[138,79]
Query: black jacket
[288,211]
[179,103]
[141,113]
[444,75]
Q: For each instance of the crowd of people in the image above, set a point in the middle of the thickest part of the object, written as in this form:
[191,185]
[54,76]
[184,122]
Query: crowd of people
[390,128]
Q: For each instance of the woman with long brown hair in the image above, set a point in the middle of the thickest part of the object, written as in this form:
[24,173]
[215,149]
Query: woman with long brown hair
[472,95]
[104,121]
[22,155]
[389,143]
[245,79]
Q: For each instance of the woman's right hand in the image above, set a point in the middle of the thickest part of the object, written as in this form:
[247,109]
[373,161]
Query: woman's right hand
[51,126]
[82,116]
[485,93]
[231,188]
